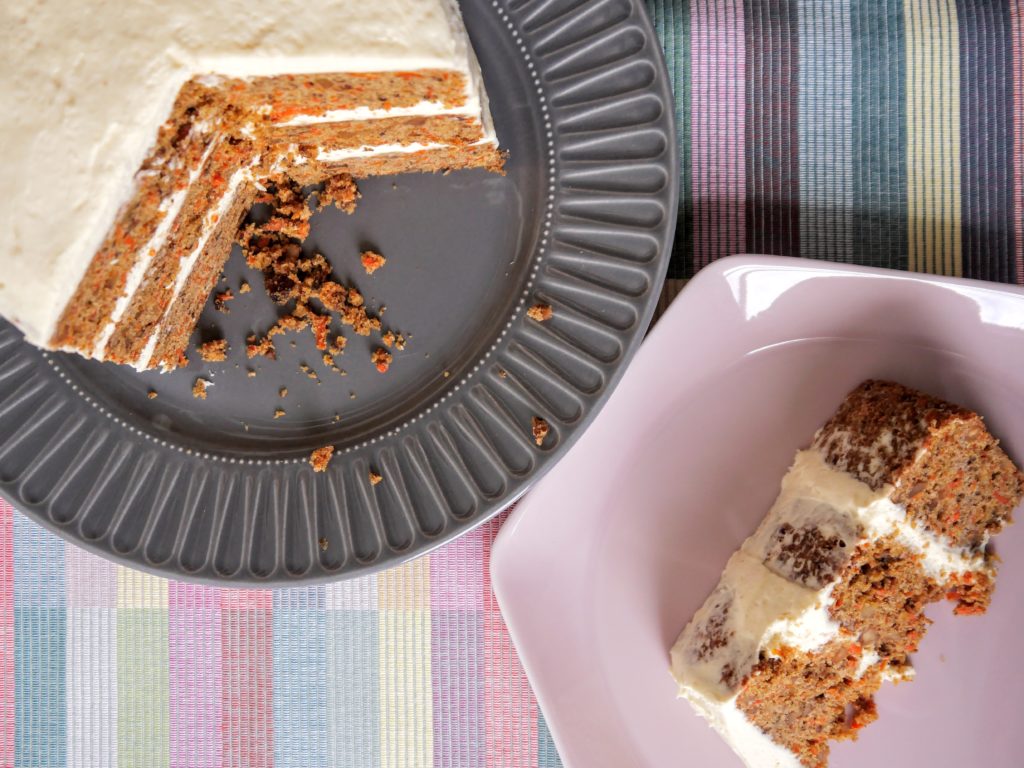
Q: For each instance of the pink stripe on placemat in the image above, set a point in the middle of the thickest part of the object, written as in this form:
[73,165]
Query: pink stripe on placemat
[456,649]
[247,727]
[194,655]
[6,634]
[717,118]
[509,706]
[1017,64]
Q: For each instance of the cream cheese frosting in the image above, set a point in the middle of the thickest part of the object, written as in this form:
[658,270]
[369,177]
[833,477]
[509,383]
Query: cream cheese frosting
[765,601]
[90,83]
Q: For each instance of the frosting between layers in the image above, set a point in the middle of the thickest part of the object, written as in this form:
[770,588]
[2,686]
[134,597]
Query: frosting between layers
[759,606]
[189,262]
[83,119]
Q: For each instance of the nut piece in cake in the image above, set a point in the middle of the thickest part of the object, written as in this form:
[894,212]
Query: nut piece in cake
[540,312]
[540,429]
[371,261]
[321,457]
[381,359]
[199,389]
[214,351]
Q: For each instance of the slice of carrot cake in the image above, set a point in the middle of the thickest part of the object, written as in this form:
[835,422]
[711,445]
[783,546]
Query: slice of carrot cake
[890,509]
[138,137]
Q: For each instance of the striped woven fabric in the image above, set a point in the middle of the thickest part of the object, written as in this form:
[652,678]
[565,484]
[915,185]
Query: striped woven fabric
[883,132]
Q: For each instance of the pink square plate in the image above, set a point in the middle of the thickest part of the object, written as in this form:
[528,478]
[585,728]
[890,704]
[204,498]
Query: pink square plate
[606,559]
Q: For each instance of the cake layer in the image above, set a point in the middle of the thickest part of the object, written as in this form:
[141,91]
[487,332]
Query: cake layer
[943,464]
[826,599]
[108,141]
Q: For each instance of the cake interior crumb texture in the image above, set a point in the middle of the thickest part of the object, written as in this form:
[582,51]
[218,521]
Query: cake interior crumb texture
[209,114]
[890,509]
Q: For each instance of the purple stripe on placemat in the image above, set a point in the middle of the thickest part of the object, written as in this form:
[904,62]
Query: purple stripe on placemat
[1017,66]
[6,634]
[986,139]
[773,164]
[194,651]
[718,135]
[456,650]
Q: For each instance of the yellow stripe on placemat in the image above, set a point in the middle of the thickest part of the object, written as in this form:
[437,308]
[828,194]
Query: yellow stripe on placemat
[406,694]
[933,137]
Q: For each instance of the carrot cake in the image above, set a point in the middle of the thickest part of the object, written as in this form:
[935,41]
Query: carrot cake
[890,509]
[137,137]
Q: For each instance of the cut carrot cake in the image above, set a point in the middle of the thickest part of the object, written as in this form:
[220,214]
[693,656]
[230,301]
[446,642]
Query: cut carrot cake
[891,508]
[138,137]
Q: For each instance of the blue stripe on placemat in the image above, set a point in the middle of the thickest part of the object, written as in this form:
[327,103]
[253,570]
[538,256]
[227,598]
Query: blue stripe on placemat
[40,636]
[547,755]
[353,686]
[826,128]
[300,672]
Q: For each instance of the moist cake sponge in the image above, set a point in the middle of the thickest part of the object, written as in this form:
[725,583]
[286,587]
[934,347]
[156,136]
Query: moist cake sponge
[891,508]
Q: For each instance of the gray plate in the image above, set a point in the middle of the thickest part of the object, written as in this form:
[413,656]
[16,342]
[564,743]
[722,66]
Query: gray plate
[220,490]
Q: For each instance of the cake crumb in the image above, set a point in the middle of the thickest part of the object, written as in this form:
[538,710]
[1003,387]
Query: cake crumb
[199,389]
[329,362]
[278,413]
[322,543]
[399,342]
[540,429]
[446,374]
[338,347]
[381,358]
[372,261]
[214,351]
[502,373]
[540,312]
[220,301]
[282,392]
[339,191]
[337,417]
[310,373]
[375,478]
[250,372]
[151,394]
[321,457]
[388,339]
[244,287]
[260,347]
[351,395]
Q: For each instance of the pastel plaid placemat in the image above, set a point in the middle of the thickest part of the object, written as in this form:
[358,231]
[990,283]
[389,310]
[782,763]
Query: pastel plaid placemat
[884,132]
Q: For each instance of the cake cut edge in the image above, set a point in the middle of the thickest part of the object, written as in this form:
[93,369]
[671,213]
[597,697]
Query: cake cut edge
[825,601]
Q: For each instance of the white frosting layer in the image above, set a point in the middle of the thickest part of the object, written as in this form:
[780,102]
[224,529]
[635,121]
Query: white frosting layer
[210,221]
[770,597]
[87,85]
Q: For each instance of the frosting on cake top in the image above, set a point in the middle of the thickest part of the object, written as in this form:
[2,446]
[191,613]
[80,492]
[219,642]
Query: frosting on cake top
[87,85]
